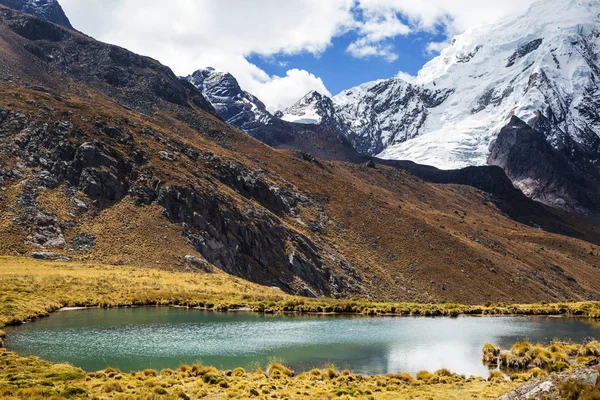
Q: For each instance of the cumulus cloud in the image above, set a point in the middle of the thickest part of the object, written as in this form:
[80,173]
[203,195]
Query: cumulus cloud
[285,91]
[374,28]
[191,34]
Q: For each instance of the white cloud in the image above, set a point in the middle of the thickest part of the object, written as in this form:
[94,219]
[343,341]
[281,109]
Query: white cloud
[453,16]
[375,28]
[459,15]
[191,34]
[433,48]
[406,77]
[285,91]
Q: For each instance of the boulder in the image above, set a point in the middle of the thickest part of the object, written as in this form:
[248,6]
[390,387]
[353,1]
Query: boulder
[49,256]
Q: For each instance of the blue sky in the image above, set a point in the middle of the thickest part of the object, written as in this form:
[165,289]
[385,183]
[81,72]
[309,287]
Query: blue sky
[339,70]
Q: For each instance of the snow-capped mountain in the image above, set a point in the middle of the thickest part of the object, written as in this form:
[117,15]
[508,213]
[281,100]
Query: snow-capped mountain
[377,115]
[49,10]
[542,63]
[236,106]
[319,136]
[542,67]
[313,108]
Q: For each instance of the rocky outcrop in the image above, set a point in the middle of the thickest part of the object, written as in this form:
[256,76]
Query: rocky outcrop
[523,50]
[256,245]
[543,172]
[549,388]
[236,106]
[49,10]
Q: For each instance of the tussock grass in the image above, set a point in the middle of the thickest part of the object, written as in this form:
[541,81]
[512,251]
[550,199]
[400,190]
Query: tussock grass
[33,378]
[525,360]
[30,289]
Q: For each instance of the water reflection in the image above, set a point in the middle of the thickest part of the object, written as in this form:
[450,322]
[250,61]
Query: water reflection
[133,339]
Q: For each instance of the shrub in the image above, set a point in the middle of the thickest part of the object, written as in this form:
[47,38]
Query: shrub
[351,391]
[424,376]
[590,349]
[402,377]
[276,370]
[160,390]
[496,376]
[212,378]
[74,392]
[112,387]
[490,354]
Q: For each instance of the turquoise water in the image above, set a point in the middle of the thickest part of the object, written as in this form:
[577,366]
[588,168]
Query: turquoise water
[161,337]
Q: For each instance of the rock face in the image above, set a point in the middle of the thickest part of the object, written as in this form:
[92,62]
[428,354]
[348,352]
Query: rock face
[49,10]
[543,172]
[236,106]
[548,388]
[377,115]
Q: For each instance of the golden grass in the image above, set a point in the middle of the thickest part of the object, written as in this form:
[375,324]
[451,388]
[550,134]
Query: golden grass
[31,288]
[34,378]
[525,360]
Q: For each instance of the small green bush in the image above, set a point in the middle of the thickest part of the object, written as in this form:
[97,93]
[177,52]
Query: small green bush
[74,392]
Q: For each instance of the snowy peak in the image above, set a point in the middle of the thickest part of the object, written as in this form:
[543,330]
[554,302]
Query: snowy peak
[49,10]
[236,106]
[542,63]
[379,114]
[314,108]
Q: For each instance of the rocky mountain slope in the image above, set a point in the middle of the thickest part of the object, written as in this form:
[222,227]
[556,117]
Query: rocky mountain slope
[236,106]
[312,109]
[49,10]
[106,155]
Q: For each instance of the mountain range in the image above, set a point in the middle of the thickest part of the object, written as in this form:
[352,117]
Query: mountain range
[107,156]
[541,67]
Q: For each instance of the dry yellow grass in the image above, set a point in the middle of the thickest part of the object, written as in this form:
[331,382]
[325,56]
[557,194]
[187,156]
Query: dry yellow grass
[30,288]
[33,378]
